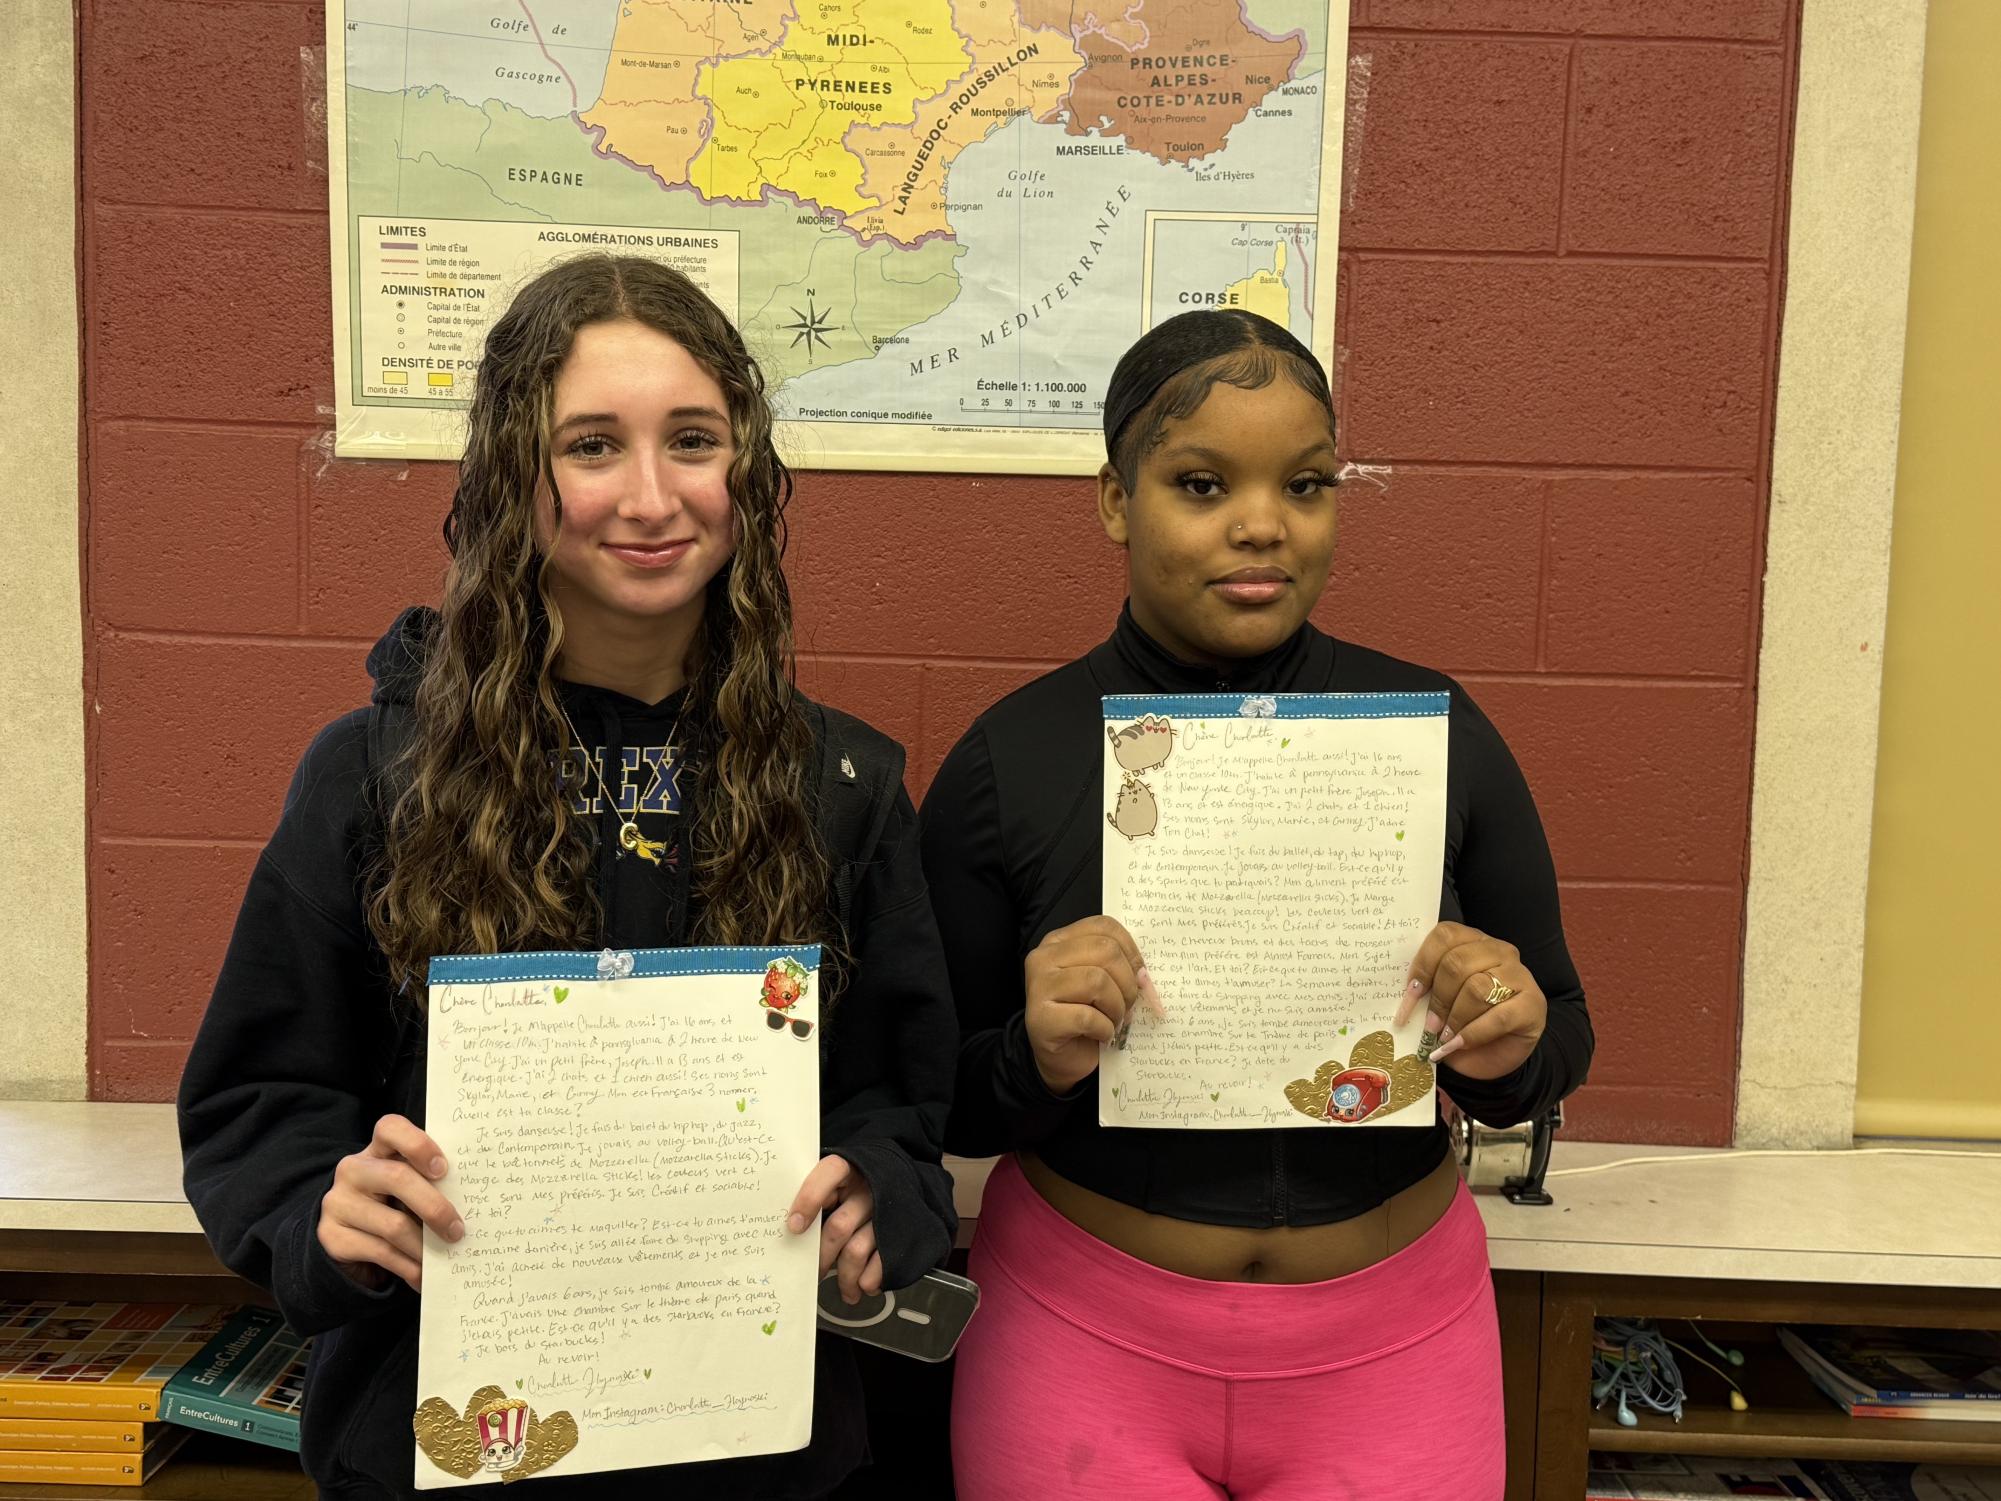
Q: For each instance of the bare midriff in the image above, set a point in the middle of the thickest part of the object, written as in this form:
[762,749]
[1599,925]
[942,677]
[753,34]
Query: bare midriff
[1232,1253]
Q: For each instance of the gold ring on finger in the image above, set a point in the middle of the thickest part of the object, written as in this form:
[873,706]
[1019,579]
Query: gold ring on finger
[1497,992]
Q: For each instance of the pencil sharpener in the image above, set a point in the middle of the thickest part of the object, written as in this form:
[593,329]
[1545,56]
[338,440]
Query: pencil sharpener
[1512,1159]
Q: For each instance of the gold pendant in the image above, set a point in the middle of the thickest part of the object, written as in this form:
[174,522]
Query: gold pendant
[649,850]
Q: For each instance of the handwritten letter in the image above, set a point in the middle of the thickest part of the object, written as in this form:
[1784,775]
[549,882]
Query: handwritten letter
[624,1150]
[1277,859]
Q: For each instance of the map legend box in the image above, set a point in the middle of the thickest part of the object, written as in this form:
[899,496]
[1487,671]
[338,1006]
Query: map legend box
[423,304]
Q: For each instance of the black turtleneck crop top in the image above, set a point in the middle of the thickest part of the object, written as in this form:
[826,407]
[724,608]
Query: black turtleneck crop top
[1012,849]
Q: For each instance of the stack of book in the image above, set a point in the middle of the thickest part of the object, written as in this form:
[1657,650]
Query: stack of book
[81,1387]
[1689,1477]
[247,1382]
[1892,1373]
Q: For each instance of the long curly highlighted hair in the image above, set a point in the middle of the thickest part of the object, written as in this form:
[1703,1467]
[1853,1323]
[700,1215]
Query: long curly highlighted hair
[480,851]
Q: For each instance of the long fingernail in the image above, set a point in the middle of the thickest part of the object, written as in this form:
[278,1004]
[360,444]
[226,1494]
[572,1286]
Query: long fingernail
[455,1230]
[796,1224]
[1446,1050]
[1426,1046]
[1150,993]
[1412,993]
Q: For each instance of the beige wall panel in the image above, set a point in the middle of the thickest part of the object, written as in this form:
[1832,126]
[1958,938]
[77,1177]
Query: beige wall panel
[43,930]
[1827,568]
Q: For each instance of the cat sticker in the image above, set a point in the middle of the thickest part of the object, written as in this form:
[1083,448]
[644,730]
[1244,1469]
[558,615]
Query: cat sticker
[1136,814]
[1143,745]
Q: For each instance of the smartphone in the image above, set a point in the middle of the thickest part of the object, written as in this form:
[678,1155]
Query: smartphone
[923,1320]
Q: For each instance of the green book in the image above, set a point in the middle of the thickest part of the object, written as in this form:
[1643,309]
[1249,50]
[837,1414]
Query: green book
[247,1381]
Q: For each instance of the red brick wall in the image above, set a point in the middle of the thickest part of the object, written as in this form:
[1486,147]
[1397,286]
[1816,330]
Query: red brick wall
[1559,301]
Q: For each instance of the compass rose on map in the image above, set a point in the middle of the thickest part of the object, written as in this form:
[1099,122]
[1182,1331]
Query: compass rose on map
[811,327]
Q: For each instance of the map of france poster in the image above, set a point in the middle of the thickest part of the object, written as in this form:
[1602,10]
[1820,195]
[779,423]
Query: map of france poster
[937,222]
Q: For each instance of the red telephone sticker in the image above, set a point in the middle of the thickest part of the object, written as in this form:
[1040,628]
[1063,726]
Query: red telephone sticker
[1357,1094]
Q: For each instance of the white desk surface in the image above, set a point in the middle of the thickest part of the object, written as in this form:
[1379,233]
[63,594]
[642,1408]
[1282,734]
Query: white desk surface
[1843,1217]
[1856,1217]
[91,1167]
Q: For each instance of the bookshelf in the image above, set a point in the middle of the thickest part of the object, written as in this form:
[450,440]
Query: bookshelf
[1789,1418]
[1747,1239]
[208,1468]
[90,1207]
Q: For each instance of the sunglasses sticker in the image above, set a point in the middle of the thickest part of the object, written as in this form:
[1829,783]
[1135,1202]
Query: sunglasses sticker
[784,988]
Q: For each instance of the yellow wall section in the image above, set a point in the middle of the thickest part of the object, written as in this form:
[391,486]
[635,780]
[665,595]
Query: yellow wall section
[1931,1022]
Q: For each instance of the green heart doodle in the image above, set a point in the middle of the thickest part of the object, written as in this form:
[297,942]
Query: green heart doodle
[1399,836]
[1215,1095]
[739,1107]
[562,994]
[1115,1090]
[517,1386]
[649,1373]
[1341,1031]
[770,1327]
[1284,741]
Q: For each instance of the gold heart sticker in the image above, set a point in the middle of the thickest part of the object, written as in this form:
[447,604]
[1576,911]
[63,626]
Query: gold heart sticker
[451,1440]
[1410,1078]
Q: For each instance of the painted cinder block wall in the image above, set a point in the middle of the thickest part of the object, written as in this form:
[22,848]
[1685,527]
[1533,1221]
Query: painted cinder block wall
[1558,320]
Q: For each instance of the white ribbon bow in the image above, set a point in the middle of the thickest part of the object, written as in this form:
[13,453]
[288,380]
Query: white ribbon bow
[614,966]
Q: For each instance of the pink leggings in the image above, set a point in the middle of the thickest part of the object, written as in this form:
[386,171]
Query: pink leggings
[1089,1374]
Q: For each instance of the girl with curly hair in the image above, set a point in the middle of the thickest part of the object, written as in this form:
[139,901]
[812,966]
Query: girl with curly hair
[594,742]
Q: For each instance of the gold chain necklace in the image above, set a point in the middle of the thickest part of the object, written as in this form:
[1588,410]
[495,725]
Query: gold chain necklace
[629,837]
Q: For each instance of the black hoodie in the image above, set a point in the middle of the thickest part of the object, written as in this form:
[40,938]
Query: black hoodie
[305,1046]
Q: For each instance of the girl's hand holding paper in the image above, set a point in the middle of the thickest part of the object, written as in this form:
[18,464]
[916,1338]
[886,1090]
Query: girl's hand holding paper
[1082,983]
[847,1238]
[372,1219]
[1483,1003]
